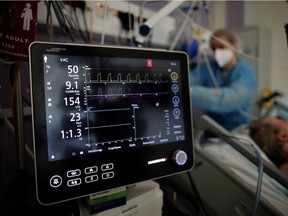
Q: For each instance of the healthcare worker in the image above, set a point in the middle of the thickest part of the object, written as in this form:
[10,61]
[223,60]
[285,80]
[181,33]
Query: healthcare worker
[226,86]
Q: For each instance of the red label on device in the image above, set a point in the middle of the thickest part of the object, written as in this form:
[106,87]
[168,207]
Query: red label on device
[149,63]
[17,28]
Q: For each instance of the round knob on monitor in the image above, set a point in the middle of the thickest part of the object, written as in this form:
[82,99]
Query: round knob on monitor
[179,157]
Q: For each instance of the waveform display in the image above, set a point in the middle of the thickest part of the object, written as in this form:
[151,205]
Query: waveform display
[121,77]
[114,126]
[110,125]
[108,89]
[122,92]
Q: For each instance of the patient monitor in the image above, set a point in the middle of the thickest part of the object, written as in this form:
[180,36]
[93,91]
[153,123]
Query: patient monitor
[105,117]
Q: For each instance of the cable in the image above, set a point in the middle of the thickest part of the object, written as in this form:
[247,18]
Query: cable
[260,174]
[21,178]
[194,25]
[131,35]
[103,23]
[12,77]
[65,19]
[170,209]
[10,197]
[26,101]
[74,6]
[89,9]
[81,5]
[14,86]
[11,127]
[184,24]
[247,114]
[118,37]
[140,13]
[196,192]
[260,168]
[68,18]
[7,61]
[6,120]
[49,21]
[212,75]
[189,197]
[127,24]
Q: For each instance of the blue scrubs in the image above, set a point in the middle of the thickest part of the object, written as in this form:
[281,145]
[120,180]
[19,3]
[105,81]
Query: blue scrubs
[231,101]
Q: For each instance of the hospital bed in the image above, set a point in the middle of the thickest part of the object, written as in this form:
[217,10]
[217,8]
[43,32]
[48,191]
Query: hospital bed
[224,179]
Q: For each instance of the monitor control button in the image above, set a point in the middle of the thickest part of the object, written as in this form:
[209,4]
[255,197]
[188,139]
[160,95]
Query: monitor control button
[108,166]
[73,173]
[55,181]
[92,169]
[179,157]
[91,178]
[74,182]
[107,175]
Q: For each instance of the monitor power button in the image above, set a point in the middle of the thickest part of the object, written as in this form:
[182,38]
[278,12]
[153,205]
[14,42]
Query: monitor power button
[179,157]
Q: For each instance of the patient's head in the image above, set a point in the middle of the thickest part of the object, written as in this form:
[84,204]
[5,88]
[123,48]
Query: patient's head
[271,135]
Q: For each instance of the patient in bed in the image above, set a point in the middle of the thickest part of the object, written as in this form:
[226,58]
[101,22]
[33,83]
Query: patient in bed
[271,135]
[273,192]
[234,161]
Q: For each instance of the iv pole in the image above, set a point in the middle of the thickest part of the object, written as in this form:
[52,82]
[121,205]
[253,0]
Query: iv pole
[19,129]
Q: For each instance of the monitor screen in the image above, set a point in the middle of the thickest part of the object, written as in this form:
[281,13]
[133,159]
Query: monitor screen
[105,117]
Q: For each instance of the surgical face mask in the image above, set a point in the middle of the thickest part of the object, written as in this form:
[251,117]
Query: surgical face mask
[223,56]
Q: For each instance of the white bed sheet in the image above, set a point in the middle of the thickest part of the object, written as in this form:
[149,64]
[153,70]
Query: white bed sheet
[272,191]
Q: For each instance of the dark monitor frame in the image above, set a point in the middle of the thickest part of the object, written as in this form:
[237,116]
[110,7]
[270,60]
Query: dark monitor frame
[110,169]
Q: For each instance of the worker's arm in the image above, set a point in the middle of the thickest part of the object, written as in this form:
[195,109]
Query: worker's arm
[225,99]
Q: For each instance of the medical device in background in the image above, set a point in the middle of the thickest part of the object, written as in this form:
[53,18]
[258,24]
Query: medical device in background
[163,12]
[146,26]
[144,198]
[273,104]
[105,117]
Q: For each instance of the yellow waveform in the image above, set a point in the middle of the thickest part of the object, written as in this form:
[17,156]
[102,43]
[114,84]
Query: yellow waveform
[156,78]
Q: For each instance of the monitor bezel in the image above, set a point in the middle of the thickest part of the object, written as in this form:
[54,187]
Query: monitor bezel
[43,167]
